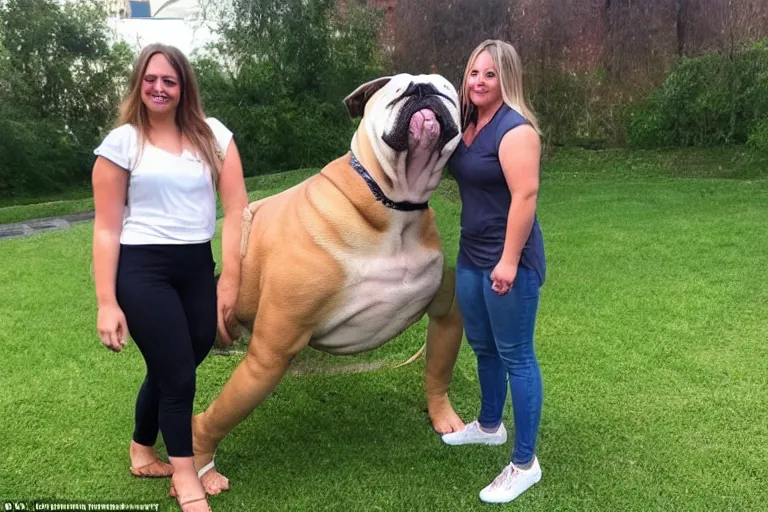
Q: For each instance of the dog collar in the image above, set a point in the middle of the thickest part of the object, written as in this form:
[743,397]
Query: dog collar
[405,206]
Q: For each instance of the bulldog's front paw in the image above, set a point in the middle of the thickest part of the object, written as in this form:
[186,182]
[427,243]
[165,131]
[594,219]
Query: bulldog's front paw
[214,482]
[444,419]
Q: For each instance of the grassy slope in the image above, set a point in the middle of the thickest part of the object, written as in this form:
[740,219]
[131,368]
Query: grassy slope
[726,162]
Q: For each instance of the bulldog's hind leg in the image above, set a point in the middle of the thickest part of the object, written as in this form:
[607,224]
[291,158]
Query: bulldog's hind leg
[275,341]
[444,335]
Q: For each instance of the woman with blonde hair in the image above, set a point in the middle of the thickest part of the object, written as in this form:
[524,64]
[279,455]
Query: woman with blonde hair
[154,186]
[501,265]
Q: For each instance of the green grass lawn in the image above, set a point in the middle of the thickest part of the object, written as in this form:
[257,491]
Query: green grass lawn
[651,338]
[723,162]
[80,200]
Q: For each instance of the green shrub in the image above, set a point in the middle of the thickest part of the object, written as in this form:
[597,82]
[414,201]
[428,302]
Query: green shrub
[758,137]
[709,100]
[285,77]
[580,109]
[60,80]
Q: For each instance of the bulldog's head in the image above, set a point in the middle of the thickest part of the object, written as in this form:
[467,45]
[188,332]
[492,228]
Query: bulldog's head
[411,125]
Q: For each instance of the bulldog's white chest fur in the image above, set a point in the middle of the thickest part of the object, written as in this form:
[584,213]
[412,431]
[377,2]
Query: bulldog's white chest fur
[386,290]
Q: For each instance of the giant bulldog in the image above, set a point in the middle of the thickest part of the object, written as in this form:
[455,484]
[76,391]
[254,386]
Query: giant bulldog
[350,258]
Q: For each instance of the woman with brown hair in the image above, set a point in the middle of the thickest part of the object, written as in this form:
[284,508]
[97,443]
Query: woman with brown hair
[154,184]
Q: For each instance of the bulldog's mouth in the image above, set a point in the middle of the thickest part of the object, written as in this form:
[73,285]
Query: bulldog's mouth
[424,122]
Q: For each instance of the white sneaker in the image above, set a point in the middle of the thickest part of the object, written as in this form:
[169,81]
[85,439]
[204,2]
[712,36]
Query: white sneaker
[473,434]
[511,483]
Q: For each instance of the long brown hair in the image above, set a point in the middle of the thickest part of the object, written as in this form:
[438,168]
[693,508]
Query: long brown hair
[190,118]
[510,69]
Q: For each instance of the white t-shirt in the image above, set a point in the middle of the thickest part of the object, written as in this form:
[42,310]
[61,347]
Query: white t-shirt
[171,198]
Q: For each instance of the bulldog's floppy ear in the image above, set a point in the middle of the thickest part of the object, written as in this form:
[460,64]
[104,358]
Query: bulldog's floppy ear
[356,101]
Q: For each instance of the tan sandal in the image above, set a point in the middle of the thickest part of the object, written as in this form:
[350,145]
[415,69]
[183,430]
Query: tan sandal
[193,500]
[155,469]
[172,492]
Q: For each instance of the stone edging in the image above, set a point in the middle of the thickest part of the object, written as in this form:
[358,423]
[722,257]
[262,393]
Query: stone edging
[42,225]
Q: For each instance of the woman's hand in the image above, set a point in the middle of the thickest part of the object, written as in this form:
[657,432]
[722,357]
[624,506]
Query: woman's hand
[503,276]
[110,185]
[226,296]
[112,327]
[234,199]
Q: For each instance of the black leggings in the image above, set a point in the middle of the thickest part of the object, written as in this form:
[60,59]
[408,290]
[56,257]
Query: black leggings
[168,296]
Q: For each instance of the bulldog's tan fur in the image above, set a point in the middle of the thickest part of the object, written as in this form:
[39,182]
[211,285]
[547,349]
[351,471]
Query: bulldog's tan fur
[325,264]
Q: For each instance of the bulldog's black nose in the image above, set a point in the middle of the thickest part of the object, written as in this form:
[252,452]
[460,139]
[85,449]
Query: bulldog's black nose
[421,91]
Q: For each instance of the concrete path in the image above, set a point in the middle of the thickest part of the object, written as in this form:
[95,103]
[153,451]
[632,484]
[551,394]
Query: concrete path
[41,225]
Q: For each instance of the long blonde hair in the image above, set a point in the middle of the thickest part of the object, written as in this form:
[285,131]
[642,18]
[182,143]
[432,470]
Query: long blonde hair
[510,69]
[190,118]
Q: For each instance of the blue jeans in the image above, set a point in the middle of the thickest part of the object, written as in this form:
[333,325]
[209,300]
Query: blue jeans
[499,328]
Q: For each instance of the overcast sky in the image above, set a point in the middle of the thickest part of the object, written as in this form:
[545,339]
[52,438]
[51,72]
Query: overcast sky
[178,24]
[187,35]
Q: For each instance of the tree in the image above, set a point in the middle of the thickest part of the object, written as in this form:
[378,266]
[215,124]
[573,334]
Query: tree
[60,83]
[280,72]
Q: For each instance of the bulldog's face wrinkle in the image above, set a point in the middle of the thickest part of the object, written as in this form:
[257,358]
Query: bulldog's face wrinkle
[421,90]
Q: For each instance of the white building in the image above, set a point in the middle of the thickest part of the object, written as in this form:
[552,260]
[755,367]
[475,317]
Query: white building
[177,8]
[186,24]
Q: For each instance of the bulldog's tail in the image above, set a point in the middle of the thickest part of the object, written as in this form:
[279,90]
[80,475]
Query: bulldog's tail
[245,230]
[235,331]
[413,357]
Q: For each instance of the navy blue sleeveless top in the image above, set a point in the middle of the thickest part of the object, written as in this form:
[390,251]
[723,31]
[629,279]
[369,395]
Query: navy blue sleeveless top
[486,199]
